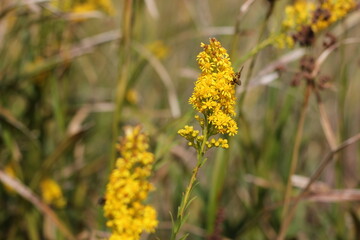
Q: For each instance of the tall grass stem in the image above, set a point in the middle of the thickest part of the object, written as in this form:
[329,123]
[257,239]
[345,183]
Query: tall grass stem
[124,69]
[295,156]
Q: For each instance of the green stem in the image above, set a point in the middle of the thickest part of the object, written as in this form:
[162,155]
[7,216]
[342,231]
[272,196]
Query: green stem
[260,45]
[125,59]
[185,201]
[294,160]
[247,135]
[325,163]
[255,50]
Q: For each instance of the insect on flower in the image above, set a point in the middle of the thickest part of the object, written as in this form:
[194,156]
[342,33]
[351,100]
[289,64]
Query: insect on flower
[237,76]
[101,201]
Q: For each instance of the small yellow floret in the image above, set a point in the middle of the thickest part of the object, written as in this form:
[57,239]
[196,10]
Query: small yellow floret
[51,193]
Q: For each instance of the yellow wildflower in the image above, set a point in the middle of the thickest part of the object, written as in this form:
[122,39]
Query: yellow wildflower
[283,40]
[80,6]
[298,15]
[159,49]
[303,19]
[51,193]
[214,92]
[331,11]
[214,97]
[217,143]
[128,187]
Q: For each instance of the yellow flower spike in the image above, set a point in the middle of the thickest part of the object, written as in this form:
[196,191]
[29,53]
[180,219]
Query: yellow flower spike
[316,17]
[128,187]
[298,14]
[331,11]
[214,92]
[214,98]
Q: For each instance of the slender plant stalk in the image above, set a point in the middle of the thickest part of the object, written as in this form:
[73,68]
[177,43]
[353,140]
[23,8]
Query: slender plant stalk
[295,155]
[253,53]
[342,168]
[343,129]
[260,45]
[124,67]
[185,200]
[327,160]
[217,183]
[30,196]
[325,122]
[255,50]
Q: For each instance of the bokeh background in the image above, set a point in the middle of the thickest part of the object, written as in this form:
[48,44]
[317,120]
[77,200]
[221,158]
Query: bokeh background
[73,73]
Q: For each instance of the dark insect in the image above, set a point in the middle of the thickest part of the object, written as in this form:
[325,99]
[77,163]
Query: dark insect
[237,76]
[101,201]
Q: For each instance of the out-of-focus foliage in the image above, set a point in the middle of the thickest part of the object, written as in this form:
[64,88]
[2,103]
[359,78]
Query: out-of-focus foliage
[63,62]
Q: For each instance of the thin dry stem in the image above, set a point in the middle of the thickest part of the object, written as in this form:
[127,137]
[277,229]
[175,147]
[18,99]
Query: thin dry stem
[295,154]
[27,194]
[164,76]
[328,158]
[124,68]
[325,122]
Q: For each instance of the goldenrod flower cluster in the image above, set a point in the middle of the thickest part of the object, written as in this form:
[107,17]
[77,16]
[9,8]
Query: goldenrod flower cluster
[298,15]
[217,143]
[214,92]
[331,11]
[305,18]
[51,193]
[128,188]
[192,135]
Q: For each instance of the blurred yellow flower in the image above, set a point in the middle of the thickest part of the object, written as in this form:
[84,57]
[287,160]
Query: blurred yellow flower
[132,96]
[51,193]
[159,49]
[128,188]
[298,15]
[283,40]
[331,11]
[304,18]
[9,170]
[85,6]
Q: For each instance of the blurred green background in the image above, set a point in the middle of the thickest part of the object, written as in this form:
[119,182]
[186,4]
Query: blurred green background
[73,73]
